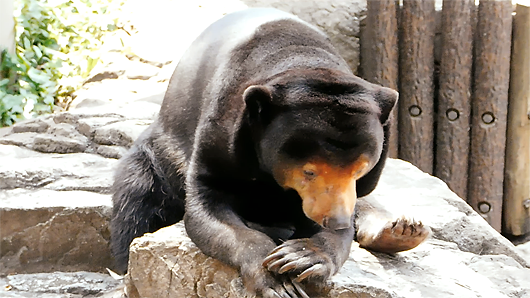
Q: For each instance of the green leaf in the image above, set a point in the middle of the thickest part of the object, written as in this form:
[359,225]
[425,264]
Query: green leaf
[12,101]
[49,100]
[91,63]
[38,76]
[27,45]
[17,109]
[37,51]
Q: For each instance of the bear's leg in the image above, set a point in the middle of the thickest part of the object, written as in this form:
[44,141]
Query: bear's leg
[378,231]
[142,202]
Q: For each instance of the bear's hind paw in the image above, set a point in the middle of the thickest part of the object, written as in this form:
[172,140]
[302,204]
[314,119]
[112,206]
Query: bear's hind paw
[395,236]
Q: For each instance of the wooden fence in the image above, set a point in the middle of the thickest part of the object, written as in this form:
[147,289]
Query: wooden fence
[460,116]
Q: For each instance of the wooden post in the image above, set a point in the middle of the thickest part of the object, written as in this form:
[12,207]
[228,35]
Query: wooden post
[454,100]
[416,115]
[489,109]
[516,215]
[380,56]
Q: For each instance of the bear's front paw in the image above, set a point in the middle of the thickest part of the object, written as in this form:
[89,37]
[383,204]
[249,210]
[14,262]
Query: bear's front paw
[268,285]
[395,236]
[302,260]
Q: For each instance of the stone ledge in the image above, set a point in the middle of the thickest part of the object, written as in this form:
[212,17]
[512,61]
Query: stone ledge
[45,231]
[24,168]
[79,284]
[464,258]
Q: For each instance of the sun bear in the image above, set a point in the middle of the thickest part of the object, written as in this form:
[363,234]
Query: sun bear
[264,141]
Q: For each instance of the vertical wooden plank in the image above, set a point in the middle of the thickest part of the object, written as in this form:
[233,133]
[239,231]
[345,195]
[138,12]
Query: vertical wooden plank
[380,57]
[489,109]
[516,215]
[416,83]
[454,100]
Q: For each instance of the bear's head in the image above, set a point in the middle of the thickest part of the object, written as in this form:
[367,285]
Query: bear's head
[317,132]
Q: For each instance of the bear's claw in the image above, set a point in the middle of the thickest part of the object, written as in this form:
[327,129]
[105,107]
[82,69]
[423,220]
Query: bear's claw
[301,259]
[395,236]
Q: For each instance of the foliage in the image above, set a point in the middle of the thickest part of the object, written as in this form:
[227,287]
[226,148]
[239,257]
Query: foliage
[57,43]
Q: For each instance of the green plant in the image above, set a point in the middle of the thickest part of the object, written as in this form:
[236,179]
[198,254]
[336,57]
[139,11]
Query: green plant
[57,43]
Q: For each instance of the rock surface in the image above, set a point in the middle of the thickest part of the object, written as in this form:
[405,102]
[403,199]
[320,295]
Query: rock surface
[465,257]
[524,248]
[59,285]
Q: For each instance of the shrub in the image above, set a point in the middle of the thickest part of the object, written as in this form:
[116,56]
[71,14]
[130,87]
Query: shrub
[57,43]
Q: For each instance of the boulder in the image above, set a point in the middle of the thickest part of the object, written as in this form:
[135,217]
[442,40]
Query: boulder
[60,144]
[23,139]
[46,230]
[54,211]
[465,257]
[111,151]
[87,126]
[120,133]
[524,249]
[32,125]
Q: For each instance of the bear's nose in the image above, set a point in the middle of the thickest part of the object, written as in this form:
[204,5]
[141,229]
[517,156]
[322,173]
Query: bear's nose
[337,222]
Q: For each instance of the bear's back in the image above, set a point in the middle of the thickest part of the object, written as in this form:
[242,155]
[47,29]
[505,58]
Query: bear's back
[243,47]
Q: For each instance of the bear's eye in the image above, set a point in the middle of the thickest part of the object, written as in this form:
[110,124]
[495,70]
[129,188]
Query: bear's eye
[359,172]
[309,174]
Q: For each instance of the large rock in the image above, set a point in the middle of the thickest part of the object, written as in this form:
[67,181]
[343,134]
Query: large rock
[54,210]
[464,258]
[524,249]
[46,231]
[120,133]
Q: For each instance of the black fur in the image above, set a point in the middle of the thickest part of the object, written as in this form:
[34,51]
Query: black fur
[218,145]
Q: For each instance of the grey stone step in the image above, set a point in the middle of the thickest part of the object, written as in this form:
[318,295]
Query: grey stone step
[54,211]
[46,230]
[60,285]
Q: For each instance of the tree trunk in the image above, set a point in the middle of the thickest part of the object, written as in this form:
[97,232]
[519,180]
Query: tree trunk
[489,106]
[416,83]
[380,56]
[454,100]
[516,215]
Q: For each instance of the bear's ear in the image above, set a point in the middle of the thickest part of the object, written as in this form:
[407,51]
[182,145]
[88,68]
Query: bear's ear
[257,99]
[386,99]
